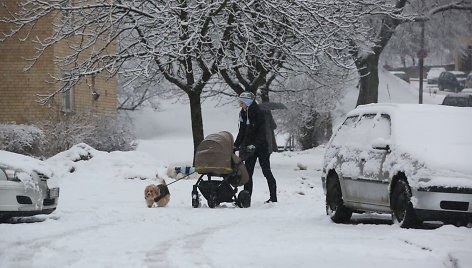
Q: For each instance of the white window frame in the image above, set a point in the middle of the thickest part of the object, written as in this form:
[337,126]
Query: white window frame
[68,101]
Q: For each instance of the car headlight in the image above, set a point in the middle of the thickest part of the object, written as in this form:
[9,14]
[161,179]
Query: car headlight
[11,175]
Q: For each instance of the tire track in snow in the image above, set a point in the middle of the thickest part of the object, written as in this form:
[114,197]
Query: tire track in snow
[188,245]
[22,253]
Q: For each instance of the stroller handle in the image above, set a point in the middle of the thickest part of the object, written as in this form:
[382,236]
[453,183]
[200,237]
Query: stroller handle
[245,151]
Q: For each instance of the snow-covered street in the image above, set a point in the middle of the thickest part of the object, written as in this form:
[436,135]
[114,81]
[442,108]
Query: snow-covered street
[102,219]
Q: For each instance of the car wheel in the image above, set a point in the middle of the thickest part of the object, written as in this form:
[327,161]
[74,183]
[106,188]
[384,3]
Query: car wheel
[403,213]
[334,201]
[4,218]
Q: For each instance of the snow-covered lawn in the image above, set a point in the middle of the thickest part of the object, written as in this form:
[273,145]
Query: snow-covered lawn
[102,219]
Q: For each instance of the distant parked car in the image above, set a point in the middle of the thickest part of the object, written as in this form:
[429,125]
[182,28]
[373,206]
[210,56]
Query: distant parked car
[451,81]
[461,100]
[24,189]
[408,160]
[402,75]
[433,75]
[467,91]
[468,81]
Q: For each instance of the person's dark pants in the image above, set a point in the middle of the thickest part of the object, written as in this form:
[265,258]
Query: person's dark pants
[264,161]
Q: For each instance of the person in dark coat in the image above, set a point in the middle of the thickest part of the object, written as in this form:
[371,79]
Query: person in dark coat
[252,131]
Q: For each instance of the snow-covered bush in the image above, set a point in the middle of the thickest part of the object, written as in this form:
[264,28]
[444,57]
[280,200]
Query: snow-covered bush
[61,134]
[22,139]
[109,135]
[101,132]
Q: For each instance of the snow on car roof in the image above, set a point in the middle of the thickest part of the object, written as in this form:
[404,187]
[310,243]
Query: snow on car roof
[23,163]
[435,72]
[457,72]
[438,134]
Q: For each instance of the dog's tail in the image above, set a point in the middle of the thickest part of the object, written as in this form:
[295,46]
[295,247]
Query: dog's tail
[162,181]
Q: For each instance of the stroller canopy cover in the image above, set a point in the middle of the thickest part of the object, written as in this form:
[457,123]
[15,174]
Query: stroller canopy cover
[214,154]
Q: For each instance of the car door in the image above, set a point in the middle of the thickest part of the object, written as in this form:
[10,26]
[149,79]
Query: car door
[372,173]
[344,151]
[368,187]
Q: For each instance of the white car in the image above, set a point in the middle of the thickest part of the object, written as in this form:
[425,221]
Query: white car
[410,160]
[24,189]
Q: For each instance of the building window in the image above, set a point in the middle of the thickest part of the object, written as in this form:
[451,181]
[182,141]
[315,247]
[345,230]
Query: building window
[68,101]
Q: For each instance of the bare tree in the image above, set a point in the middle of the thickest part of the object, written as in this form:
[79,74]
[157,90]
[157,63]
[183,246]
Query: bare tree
[293,37]
[188,41]
[179,39]
[441,33]
[311,99]
[385,25]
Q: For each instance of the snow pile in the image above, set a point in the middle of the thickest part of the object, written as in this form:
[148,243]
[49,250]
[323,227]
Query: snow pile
[82,160]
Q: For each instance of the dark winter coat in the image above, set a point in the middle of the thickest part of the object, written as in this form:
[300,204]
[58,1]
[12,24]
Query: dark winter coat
[253,133]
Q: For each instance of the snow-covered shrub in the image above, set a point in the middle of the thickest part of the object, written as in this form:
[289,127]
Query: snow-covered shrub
[101,132]
[61,134]
[22,139]
[110,135]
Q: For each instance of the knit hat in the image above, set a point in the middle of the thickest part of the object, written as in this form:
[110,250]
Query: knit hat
[247,98]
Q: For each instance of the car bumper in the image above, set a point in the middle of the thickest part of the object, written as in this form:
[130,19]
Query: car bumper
[445,204]
[18,201]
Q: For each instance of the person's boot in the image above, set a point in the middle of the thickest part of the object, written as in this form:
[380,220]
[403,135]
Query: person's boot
[273,194]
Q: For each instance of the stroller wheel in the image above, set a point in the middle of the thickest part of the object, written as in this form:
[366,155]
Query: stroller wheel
[244,199]
[195,198]
[212,203]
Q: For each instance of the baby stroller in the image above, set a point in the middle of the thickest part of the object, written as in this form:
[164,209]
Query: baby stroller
[215,157]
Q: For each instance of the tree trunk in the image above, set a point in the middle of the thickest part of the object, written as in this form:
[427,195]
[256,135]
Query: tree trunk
[368,69]
[197,121]
[403,60]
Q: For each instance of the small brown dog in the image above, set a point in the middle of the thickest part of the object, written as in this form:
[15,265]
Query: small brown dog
[158,194]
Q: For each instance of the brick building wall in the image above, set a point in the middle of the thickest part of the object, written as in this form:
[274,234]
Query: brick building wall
[19,90]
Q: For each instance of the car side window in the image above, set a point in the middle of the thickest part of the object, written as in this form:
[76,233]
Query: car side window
[3,176]
[374,126]
[344,132]
[381,128]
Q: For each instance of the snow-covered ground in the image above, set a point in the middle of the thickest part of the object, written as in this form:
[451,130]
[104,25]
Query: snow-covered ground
[102,220]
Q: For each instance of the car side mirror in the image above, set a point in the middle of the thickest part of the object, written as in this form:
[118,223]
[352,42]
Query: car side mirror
[381,144]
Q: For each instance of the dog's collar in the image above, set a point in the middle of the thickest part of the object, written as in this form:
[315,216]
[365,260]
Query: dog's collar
[164,191]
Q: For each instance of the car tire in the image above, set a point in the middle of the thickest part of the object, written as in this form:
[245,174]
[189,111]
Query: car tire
[334,201]
[403,213]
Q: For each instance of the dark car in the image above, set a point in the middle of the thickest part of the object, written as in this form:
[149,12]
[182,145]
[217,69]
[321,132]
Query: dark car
[451,81]
[461,100]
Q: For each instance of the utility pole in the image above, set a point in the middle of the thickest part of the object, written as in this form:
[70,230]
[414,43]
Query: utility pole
[421,55]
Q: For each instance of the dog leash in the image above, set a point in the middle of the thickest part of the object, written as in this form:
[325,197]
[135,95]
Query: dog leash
[181,178]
